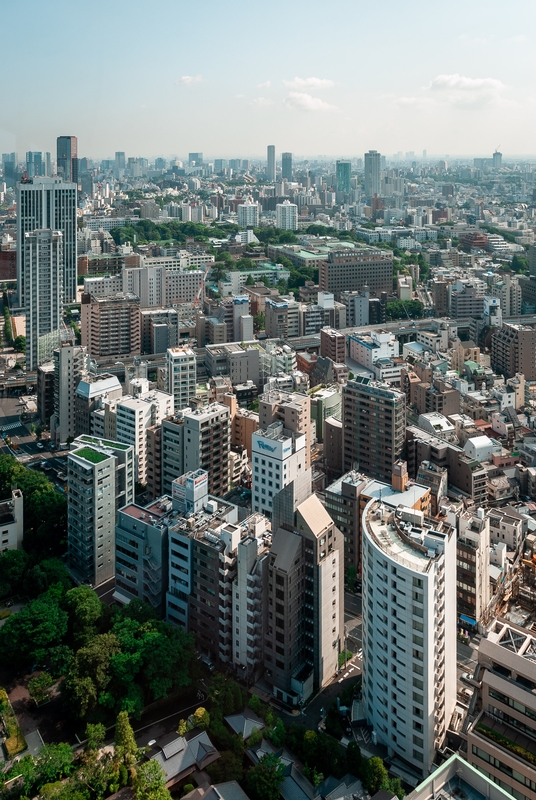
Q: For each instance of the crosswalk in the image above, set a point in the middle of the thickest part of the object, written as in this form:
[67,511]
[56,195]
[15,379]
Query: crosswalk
[11,426]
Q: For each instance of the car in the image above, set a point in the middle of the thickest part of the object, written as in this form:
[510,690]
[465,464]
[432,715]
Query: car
[52,446]
[466,677]
[45,465]
[40,445]
[62,476]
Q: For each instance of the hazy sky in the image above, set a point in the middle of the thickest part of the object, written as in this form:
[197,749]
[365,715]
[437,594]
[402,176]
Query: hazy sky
[227,78]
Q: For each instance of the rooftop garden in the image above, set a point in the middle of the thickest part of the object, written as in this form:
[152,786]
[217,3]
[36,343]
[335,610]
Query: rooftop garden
[91,455]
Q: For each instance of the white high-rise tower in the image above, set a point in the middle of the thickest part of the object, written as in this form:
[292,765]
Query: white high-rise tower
[42,273]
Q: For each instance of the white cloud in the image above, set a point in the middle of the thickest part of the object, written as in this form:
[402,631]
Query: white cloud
[306,102]
[187,80]
[265,85]
[518,39]
[460,90]
[309,83]
[262,102]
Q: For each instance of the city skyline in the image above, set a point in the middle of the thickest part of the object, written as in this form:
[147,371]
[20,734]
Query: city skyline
[458,96]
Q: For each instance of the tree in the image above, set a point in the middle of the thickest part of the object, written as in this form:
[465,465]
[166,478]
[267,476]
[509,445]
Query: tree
[227,768]
[13,565]
[19,344]
[374,775]
[201,718]
[353,759]
[30,633]
[250,280]
[95,735]
[85,609]
[54,761]
[126,749]
[150,782]
[38,686]
[263,781]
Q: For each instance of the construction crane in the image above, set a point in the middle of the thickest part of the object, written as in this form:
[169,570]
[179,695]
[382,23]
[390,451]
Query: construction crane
[202,285]
[497,148]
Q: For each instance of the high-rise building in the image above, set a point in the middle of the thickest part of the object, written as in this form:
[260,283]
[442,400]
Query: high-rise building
[67,158]
[374,422]
[305,595]
[286,166]
[293,410]
[333,345]
[181,375]
[42,271]
[372,173]
[286,216]
[278,457]
[343,172]
[197,439]
[134,415]
[48,203]
[69,368]
[120,160]
[497,160]
[248,214]
[270,165]
[111,325]
[10,162]
[100,479]
[35,164]
[195,159]
[513,350]
[409,630]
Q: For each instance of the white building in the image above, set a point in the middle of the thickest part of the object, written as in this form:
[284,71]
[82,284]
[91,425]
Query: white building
[181,374]
[48,203]
[100,481]
[133,416]
[367,348]
[286,214]
[69,368]
[409,630]
[41,273]
[12,522]
[278,457]
[248,214]
[481,448]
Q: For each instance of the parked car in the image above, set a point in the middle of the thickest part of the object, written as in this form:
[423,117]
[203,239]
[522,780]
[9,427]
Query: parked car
[40,445]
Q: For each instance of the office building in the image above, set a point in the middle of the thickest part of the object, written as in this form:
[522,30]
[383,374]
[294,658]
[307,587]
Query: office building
[513,350]
[67,158]
[181,375]
[286,216]
[120,160]
[372,173]
[293,410]
[343,171]
[353,270]
[374,421]
[70,364]
[409,631]
[12,522]
[305,633]
[500,740]
[197,439]
[286,166]
[456,778]
[111,326]
[270,163]
[141,553]
[100,479]
[134,416]
[473,565]
[195,159]
[282,318]
[497,160]
[35,164]
[248,214]
[42,275]
[92,389]
[278,457]
[48,203]
[10,164]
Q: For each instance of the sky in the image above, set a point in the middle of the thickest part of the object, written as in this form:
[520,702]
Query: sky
[228,78]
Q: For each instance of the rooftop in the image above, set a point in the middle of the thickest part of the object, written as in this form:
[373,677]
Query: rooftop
[90,455]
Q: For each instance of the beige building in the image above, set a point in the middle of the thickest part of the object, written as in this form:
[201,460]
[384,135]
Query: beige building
[352,270]
[111,325]
[293,410]
[513,350]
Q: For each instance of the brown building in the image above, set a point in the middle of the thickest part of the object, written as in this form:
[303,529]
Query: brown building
[438,396]
[45,392]
[8,265]
[333,345]
[333,446]
[244,423]
[513,349]
[293,410]
[441,297]
[353,269]
[111,325]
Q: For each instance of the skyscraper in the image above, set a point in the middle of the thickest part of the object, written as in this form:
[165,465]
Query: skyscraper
[42,268]
[35,164]
[195,159]
[372,173]
[286,166]
[343,172]
[374,421]
[120,160]
[48,203]
[409,630]
[67,158]
[270,165]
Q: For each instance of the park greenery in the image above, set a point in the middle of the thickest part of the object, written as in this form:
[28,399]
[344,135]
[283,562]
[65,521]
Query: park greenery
[404,309]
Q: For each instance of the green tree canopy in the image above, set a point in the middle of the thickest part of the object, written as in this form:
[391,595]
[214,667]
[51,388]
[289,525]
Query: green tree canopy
[126,749]
[29,634]
[150,782]
[263,781]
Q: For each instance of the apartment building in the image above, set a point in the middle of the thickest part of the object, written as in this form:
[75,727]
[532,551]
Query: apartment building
[12,522]
[373,418]
[293,410]
[507,526]
[110,326]
[333,345]
[69,368]
[181,364]
[100,477]
[282,318]
[90,391]
[134,416]
[501,739]
[473,563]
[513,350]
[409,631]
